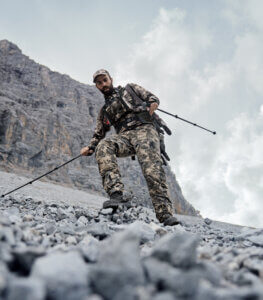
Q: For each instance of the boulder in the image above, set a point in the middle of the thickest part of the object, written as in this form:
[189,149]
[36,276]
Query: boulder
[26,289]
[65,275]
[89,248]
[118,265]
[179,249]
[144,232]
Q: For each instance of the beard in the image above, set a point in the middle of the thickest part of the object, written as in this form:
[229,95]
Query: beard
[107,91]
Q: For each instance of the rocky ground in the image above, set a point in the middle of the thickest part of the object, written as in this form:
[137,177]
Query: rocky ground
[52,249]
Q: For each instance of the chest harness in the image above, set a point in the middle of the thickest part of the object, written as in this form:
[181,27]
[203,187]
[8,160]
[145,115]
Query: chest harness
[138,112]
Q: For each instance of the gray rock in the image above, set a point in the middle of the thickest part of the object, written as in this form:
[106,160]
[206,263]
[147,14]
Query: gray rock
[91,214]
[182,283]
[118,228]
[159,272]
[142,230]
[65,275]
[133,293]
[5,254]
[94,297]
[118,265]
[26,289]
[244,278]
[99,230]
[5,220]
[146,249]
[71,240]
[3,277]
[206,270]
[159,230]
[207,221]
[67,229]
[90,248]
[257,240]
[13,210]
[46,242]
[164,296]
[115,217]
[179,249]
[28,218]
[28,235]
[7,235]
[206,291]
[119,221]
[62,214]
[254,265]
[25,257]
[50,228]
[248,232]
[106,212]
[82,220]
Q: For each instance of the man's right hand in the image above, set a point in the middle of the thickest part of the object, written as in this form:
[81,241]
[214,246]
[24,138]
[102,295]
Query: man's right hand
[86,151]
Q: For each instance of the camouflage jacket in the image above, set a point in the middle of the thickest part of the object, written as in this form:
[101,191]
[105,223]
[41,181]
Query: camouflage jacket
[115,111]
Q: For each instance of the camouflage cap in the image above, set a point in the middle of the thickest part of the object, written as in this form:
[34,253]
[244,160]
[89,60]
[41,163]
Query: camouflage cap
[100,72]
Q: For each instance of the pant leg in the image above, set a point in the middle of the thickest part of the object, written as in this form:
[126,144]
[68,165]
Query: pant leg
[147,147]
[106,153]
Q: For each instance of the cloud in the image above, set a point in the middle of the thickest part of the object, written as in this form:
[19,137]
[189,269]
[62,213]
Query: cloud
[180,60]
[243,167]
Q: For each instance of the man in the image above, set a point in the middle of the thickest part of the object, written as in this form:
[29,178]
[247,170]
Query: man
[135,135]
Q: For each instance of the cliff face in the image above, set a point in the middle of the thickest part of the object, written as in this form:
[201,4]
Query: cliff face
[47,117]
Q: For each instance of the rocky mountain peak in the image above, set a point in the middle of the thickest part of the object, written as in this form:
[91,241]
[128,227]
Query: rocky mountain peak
[7,47]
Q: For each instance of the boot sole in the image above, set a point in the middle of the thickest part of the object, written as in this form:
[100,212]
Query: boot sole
[116,205]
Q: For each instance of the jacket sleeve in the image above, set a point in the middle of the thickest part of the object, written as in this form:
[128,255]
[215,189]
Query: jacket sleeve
[144,94]
[102,127]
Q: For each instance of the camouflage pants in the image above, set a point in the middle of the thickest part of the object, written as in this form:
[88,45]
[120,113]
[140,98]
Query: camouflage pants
[144,142]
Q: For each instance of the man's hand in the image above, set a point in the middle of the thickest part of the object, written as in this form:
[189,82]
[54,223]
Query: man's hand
[152,108]
[86,151]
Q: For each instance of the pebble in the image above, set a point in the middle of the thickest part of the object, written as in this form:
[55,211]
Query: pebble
[207,221]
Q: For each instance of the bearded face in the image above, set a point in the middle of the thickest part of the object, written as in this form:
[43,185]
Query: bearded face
[104,84]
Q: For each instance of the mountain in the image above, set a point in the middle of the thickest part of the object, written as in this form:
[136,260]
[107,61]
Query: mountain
[47,117]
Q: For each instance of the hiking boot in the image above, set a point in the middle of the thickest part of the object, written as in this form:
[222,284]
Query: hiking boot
[169,220]
[116,199]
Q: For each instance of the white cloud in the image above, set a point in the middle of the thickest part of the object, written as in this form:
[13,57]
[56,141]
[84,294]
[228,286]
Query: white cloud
[245,14]
[230,187]
[244,167]
[220,175]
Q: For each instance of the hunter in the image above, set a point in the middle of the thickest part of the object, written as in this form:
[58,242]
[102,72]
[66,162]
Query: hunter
[135,135]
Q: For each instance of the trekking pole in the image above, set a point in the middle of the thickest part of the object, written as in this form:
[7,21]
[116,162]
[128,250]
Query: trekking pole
[30,182]
[175,116]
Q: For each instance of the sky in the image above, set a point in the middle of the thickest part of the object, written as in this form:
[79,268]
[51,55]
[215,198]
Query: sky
[203,59]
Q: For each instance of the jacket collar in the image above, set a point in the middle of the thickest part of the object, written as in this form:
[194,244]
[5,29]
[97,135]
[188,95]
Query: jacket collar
[116,93]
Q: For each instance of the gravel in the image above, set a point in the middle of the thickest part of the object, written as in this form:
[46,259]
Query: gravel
[54,249]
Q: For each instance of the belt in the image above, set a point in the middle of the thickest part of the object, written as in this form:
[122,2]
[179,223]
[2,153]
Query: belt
[125,123]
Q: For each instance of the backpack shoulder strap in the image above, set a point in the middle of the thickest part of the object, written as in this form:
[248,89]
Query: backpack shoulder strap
[106,114]
[137,101]
[159,123]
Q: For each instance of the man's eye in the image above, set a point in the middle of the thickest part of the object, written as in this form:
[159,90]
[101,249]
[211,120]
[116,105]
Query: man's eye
[105,80]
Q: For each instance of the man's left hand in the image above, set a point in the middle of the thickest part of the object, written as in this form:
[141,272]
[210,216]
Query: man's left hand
[152,108]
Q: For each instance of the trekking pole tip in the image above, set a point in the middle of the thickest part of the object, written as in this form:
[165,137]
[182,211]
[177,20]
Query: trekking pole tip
[214,132]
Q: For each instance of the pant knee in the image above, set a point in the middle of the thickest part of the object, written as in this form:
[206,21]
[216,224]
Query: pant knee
[105,147]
